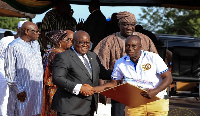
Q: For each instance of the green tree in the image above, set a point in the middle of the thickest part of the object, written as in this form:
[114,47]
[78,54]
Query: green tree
[10,22]
[171,21]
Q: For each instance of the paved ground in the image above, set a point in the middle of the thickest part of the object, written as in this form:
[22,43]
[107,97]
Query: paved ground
[103,110]
[178,107]
[184,106]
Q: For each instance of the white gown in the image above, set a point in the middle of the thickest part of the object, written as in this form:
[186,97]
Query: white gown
[24,72]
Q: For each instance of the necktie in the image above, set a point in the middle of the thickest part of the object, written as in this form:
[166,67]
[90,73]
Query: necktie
[86,63]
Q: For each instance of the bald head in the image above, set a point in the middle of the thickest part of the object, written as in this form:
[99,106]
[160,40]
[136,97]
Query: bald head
[133,38]
[81,34]
[69,33]
[27,24]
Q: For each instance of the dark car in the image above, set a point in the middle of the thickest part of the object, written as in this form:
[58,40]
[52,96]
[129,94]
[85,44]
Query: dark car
[178,40]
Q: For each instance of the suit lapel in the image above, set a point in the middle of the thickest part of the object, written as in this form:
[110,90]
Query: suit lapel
[78,61]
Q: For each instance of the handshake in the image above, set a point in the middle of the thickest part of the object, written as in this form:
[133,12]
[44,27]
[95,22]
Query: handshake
[88,90]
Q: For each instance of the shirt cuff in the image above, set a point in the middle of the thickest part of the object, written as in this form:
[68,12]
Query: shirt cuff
[77,89]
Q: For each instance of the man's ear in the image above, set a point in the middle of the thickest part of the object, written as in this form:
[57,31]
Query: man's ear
[25,31]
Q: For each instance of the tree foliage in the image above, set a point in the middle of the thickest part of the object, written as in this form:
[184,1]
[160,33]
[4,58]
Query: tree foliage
[9,22]
[171,21]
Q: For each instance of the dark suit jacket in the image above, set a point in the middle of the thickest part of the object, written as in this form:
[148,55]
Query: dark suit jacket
[68,71]
[95,26]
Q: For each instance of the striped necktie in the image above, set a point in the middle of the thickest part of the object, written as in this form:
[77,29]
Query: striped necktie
[86,63]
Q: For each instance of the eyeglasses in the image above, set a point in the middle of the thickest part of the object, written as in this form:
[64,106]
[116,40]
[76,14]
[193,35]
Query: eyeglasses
[83,43]
[68,39]
[35,31]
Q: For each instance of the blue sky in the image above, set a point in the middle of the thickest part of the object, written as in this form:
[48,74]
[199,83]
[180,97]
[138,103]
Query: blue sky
[81,11]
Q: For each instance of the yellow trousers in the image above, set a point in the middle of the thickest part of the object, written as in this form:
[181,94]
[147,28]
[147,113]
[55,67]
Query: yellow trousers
[156,108]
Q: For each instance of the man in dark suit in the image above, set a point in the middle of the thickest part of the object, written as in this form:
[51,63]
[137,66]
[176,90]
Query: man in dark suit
[75,72]
[95,25]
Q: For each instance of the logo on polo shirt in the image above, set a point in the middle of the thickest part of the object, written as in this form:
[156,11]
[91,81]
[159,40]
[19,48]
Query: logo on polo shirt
[146,66]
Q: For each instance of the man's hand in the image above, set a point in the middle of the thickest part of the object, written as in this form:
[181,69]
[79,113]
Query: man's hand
[87,90]
[21,96]
[150,93]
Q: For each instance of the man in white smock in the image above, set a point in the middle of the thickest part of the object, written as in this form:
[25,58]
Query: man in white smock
[24,73]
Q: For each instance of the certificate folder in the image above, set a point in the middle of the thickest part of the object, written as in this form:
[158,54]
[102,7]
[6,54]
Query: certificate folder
[128,95]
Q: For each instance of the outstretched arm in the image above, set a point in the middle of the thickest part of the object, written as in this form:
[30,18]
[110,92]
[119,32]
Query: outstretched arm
[100,88]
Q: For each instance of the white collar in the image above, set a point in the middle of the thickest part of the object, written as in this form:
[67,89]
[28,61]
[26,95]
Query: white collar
[78,53]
